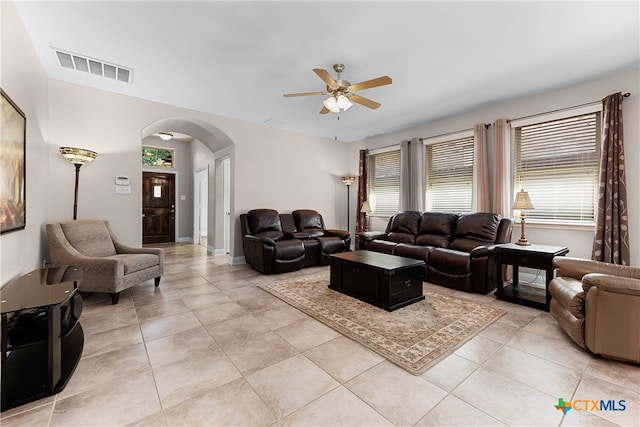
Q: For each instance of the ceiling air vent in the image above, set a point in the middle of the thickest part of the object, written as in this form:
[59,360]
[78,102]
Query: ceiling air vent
[94,66]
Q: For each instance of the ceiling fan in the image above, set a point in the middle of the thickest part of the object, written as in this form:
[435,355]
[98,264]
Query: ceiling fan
[342,92]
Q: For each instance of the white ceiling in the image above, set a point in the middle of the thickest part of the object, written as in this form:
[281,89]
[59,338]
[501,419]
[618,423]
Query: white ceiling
[237,58]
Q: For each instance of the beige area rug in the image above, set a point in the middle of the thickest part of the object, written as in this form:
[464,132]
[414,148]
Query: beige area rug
[413,337]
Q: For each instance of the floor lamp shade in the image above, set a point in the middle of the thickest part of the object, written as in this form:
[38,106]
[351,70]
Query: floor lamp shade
[522,203]
[77,156]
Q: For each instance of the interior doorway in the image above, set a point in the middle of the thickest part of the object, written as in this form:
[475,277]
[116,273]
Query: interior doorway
[226,202]
[158,207]
[201,206]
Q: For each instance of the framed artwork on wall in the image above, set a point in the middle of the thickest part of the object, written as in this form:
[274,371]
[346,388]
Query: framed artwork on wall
[13,190]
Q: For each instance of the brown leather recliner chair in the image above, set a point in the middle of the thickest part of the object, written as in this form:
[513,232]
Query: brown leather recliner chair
[598,305]
[266,247]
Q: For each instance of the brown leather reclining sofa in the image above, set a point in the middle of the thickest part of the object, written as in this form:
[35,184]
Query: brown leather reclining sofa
[457,248]
[279,243]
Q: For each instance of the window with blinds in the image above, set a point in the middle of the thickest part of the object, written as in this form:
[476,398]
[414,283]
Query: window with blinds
[449,175]
[384,182]
[557,163]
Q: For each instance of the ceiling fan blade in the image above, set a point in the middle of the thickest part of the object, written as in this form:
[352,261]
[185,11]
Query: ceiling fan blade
[324,110]
[290,95]
[364,101]
[380,81]
[326,77]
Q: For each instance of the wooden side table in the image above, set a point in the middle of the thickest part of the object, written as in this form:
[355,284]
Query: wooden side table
[534,256]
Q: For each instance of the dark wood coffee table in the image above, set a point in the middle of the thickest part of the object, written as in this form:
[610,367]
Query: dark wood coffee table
[386,281]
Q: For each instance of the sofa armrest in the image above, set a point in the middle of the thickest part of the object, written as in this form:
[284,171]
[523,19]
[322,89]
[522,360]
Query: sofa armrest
[610,283]
[255,239]
[343,234]
[369,236]
[480,251]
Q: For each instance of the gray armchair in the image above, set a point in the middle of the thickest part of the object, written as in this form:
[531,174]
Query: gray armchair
[109,266]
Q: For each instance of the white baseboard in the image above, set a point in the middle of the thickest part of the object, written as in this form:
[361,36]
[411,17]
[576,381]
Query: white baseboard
[218,252]
[238,260]
[184,240]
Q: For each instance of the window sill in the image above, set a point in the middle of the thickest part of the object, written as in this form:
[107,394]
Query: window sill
[529,223]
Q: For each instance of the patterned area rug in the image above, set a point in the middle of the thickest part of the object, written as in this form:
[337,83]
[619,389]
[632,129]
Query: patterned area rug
[413,337]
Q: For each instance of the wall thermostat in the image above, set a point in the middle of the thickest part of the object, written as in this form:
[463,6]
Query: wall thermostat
[122,180]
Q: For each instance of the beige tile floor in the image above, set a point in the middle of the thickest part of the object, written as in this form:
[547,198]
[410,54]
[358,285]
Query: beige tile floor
[210,348]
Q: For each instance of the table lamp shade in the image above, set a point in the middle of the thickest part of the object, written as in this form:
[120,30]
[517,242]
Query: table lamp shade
[522,201]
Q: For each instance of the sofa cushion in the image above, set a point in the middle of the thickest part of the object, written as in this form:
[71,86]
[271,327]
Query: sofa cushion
[412,251]
[265,223]
[137,262]
[480,226]
[287,250]
[403,227]
[309,221]
[450,261]
[475,229]
[436,229]
[89,237]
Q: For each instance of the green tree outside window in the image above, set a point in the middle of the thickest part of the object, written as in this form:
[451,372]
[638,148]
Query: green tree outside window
[158,157]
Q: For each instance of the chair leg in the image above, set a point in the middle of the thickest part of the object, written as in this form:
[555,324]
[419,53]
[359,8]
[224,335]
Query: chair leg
[115,296]
[157,280]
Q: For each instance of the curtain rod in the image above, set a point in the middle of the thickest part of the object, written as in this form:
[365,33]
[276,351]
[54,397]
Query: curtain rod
[486,125]
[586,104]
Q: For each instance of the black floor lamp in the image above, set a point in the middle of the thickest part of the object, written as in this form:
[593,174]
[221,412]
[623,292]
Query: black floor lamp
[77,156]
[348,180]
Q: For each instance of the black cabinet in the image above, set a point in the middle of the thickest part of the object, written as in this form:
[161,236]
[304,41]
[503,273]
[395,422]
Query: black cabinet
[42,339]
[386,281]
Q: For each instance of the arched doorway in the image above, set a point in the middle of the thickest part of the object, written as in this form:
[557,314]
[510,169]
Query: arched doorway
[209,146]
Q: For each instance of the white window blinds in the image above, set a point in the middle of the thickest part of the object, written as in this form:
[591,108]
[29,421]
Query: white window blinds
[557,162]
[449,175]
[384,182]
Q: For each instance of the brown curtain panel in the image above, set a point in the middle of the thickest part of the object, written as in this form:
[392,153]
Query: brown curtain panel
[611,241]
[362,220]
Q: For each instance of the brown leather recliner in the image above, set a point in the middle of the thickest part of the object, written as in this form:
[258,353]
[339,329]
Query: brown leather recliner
[266,247]
[279,243]
[598,305]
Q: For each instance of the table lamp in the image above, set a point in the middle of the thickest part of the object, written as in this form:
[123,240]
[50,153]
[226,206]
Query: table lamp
[522,203]
[366,209]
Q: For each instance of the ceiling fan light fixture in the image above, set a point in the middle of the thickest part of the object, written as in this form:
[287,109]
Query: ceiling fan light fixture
[331,104]
[344,103]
